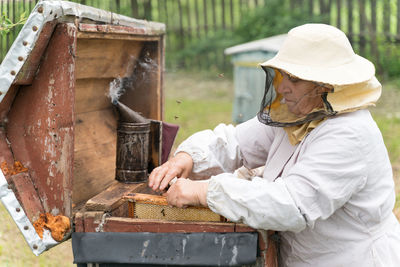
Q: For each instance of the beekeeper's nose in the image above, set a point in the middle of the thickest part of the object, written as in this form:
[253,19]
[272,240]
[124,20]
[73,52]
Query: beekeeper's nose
[284,87]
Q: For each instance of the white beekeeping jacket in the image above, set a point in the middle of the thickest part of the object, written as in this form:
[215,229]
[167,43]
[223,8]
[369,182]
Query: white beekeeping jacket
[331,196]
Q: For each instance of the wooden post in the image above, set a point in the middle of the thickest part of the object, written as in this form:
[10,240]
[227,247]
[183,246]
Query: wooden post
[386,19]
[350,20]
[311,7]
[232,14]
[214,15]
[159,11]
[134,9]
[223,14]
[181,31]
[205,17]
[8,35]
[339,14]
[189,23]
[362,32]
[398,21]
[196,12]
[118,3]
[374,42]
[1,37]
[147,9]
[14,18]
[241,9]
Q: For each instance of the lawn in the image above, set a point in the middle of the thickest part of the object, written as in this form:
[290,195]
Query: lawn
[197,101]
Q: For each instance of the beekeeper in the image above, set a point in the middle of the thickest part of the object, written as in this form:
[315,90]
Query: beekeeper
[327,184]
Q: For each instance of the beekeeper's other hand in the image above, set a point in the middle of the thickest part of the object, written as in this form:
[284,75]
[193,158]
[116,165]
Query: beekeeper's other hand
[186,192]
[179,166]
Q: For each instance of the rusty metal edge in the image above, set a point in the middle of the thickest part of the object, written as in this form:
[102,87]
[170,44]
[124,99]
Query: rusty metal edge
[23,45]
[14,208]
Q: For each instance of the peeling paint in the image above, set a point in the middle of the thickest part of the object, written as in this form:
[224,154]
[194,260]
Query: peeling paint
[145,245]
[45,204]
[55,211]
[222,246]
[71,31]
[99,228]
[63,166]
[234,257]
[183,246]
[71,70]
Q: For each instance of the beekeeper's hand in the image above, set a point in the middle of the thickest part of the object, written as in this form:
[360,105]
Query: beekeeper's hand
[179,166]
[185,192]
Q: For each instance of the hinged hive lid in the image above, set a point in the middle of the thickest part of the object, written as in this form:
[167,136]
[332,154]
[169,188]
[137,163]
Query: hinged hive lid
[57,126]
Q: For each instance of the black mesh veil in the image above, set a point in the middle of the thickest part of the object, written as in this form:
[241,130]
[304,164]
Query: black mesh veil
[274,111]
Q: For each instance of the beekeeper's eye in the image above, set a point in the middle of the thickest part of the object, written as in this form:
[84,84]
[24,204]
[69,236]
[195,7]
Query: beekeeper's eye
[290,77]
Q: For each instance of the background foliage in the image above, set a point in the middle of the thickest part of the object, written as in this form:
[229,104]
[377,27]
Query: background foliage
[198,31]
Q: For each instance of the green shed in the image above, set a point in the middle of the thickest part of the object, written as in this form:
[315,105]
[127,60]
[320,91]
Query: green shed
[249,78]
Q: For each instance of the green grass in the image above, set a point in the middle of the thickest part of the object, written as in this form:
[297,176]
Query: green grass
[197,101]
[387,116]
[194,115]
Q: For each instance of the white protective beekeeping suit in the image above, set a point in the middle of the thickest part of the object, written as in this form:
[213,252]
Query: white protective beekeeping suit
[331,194]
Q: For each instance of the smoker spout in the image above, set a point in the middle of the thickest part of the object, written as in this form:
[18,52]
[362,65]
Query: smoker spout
[128,115]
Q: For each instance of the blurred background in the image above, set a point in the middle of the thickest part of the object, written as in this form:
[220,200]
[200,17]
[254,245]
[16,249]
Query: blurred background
[199,77]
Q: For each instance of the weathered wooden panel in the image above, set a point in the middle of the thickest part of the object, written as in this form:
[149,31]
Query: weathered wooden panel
[79,222]
[92,95]
[105,58]
[7,102]
[108,30]
[146,94]
[27,195]
[111,198]
[271,255]
[41,123]
[5,151]
[94,153]
[118,224]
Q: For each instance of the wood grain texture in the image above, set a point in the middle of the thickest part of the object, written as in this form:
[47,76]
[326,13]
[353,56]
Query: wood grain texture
[94,153]
[111,198]
[6,103]
[92,95]
[144,95]
[105,58]
[79,222]
[118,224]
[5,151]
[27,195]
[110,30]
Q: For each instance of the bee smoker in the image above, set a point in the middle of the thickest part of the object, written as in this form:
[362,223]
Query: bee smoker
[133,133]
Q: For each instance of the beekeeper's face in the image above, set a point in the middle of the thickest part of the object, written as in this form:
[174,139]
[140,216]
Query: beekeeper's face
[300,96]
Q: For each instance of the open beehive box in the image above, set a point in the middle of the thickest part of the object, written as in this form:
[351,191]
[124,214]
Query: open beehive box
[58,144]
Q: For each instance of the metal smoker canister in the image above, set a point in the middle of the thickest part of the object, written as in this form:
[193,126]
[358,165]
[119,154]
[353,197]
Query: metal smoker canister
[132,152]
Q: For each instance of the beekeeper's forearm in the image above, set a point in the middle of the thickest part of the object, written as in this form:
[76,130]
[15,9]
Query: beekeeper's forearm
[259,203]
[213,151]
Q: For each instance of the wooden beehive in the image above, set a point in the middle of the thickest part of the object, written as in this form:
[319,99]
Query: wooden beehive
[57,120]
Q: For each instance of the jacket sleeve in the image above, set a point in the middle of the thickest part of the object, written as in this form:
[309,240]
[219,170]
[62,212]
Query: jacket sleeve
[328,171]
[222,150]
[213,151]
[258,203]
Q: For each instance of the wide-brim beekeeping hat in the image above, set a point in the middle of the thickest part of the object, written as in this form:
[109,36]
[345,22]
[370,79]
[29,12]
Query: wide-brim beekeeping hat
[322,54]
